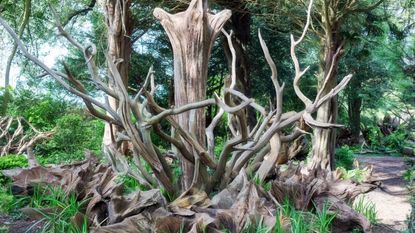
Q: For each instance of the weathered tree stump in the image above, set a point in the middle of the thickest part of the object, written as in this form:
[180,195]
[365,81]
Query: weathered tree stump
[191,35]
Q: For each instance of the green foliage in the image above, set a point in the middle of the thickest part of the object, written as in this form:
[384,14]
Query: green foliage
[40,110]
[4,229]
[64,207]
[13,161]
[367,209]
[219,144]
[324,219]
[303,222]
[74,134]
[6,201]
[257,227]
[10,162]
[396,140]
[344,157]
[358,175]
[393,142]
[130,184]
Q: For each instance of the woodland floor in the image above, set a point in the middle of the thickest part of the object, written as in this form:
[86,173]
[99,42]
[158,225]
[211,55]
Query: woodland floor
[19,226]
[392,199]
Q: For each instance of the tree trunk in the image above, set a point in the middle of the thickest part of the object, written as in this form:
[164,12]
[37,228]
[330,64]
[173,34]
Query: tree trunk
[191,35]
[325,139]
[354,109]
[240,24]
[119,25]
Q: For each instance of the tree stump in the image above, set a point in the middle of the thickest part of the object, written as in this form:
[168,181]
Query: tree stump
[191,35]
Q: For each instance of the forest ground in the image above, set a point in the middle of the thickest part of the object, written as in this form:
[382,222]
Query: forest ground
[392,199]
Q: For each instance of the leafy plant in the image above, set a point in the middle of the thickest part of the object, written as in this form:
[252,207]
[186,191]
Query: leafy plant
[396,140]
[12,161]
[324,218]
[74,134]
[367,209]
[6,201]
[344,157]
[357,174]
[4,229]
[64,207]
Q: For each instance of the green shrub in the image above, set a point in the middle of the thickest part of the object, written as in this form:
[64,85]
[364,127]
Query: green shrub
[39,109]
[396,140]
[6,201]
[358,175]
[10,162]
[74,134]
[344,157]
[13,161]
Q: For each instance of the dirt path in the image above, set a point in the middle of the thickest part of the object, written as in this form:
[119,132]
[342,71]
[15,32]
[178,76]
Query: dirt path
[392,199]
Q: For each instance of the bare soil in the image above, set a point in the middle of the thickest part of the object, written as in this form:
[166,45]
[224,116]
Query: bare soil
[19,225]
[392,198]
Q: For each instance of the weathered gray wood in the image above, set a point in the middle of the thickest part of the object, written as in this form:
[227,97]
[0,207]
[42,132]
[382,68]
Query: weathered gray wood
[191,35]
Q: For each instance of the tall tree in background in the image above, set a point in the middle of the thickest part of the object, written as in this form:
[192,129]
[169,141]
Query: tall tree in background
[332,15]
[119,26]
[240,24]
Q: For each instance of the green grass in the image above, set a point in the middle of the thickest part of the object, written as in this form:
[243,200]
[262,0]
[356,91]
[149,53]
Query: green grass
[64,207]
[6,200]
[257,227]
[302,221]
[344,157]
[324,219]
[367,209]
[4,229]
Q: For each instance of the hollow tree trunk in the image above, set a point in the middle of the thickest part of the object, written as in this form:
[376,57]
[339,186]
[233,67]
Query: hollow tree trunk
[325,139]
[119,25]
[191,35]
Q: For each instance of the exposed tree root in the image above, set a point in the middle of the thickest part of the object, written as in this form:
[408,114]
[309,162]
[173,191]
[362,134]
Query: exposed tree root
[242,204]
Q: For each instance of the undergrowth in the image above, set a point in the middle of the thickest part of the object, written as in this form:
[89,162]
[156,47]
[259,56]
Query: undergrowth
[288,218]
[366,208]
[56,208]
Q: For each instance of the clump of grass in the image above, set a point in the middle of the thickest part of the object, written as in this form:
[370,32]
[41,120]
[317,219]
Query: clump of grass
[258,227]
[367,209]
[64,207]
[6,201]
[324,218]
[302,221]
[4,229]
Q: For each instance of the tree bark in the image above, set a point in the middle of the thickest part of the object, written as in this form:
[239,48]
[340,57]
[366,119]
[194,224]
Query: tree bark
[119,25]
[354,109]
[240,24]
[325,139]
[191,35]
